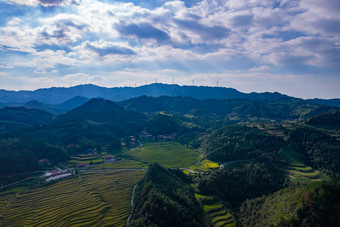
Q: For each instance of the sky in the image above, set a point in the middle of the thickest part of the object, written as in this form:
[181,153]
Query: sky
[292,47]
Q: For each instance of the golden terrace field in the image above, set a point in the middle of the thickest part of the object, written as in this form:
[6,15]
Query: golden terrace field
[92,199]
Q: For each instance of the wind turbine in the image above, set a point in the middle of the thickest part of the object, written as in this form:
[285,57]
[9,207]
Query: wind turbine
[217,82]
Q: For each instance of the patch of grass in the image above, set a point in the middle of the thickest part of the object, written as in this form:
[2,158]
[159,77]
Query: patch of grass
[199,196]
[167,154]
[205,165]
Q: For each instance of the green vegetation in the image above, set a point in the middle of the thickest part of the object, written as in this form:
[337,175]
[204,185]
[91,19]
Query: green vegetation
[215,211]
[21,154]
[267,165]
[249,180]
[168,154]
[281,109]
[237,142]
[93,198]
[317,204]
[165,198]
[316,149]
[330,119]
[299,172]
[15,118]
[205,165]
[161,124]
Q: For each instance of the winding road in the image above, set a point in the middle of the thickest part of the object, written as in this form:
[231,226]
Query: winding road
[132,204]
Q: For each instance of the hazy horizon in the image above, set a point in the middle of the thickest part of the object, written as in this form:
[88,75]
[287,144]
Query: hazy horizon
[137,86]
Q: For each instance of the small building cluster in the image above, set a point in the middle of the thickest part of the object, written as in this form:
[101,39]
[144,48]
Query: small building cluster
[56,174]
[90,151]
[109,158]
[147,136]
[44,161]
[132,141]
[72,146]
[59,176]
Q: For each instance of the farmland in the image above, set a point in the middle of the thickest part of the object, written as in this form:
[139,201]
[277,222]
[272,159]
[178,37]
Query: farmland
[92,198]
[299,172]
[123,164]
[215,211]
[87,158]
[167,154]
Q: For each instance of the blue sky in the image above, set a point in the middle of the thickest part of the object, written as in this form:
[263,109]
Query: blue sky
[292,47]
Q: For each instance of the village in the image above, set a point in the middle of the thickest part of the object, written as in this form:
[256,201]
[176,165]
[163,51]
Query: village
[91,156]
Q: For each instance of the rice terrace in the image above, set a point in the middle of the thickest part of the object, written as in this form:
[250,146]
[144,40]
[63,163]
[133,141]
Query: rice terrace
[91,199]
[99,195]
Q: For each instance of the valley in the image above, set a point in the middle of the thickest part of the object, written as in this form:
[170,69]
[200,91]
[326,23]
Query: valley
[170,161]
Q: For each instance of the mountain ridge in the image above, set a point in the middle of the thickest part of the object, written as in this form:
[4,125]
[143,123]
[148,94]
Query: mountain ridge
[57,95]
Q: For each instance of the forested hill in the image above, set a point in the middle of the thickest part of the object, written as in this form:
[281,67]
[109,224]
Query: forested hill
[308,205]
[165,198]
[329,119]
[15,118]
[100,110]
[285,108]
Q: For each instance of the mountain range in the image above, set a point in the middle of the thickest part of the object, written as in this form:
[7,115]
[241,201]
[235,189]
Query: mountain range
[58,95]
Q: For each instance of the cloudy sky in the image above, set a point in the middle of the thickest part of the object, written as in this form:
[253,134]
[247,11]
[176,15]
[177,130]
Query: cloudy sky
[292,47]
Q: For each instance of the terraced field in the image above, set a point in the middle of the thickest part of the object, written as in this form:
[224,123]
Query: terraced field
[216,212]
[299,172]
[87,158]
[92,199]
[123,164]
[167,154]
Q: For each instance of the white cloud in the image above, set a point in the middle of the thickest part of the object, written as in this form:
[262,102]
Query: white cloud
[221,33]
[45,3]
[47,59]
[260,68]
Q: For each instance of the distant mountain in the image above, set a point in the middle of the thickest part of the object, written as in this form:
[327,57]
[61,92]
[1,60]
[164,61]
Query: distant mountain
[73,103]
[54,109]
[101,111]
[285,108]
[15,118]
[329,102]
[52,95]
[42,106]
[59,95]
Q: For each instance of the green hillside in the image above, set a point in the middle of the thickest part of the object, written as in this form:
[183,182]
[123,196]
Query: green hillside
[239,143]
[16,118]
[165,198]
[317,204]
